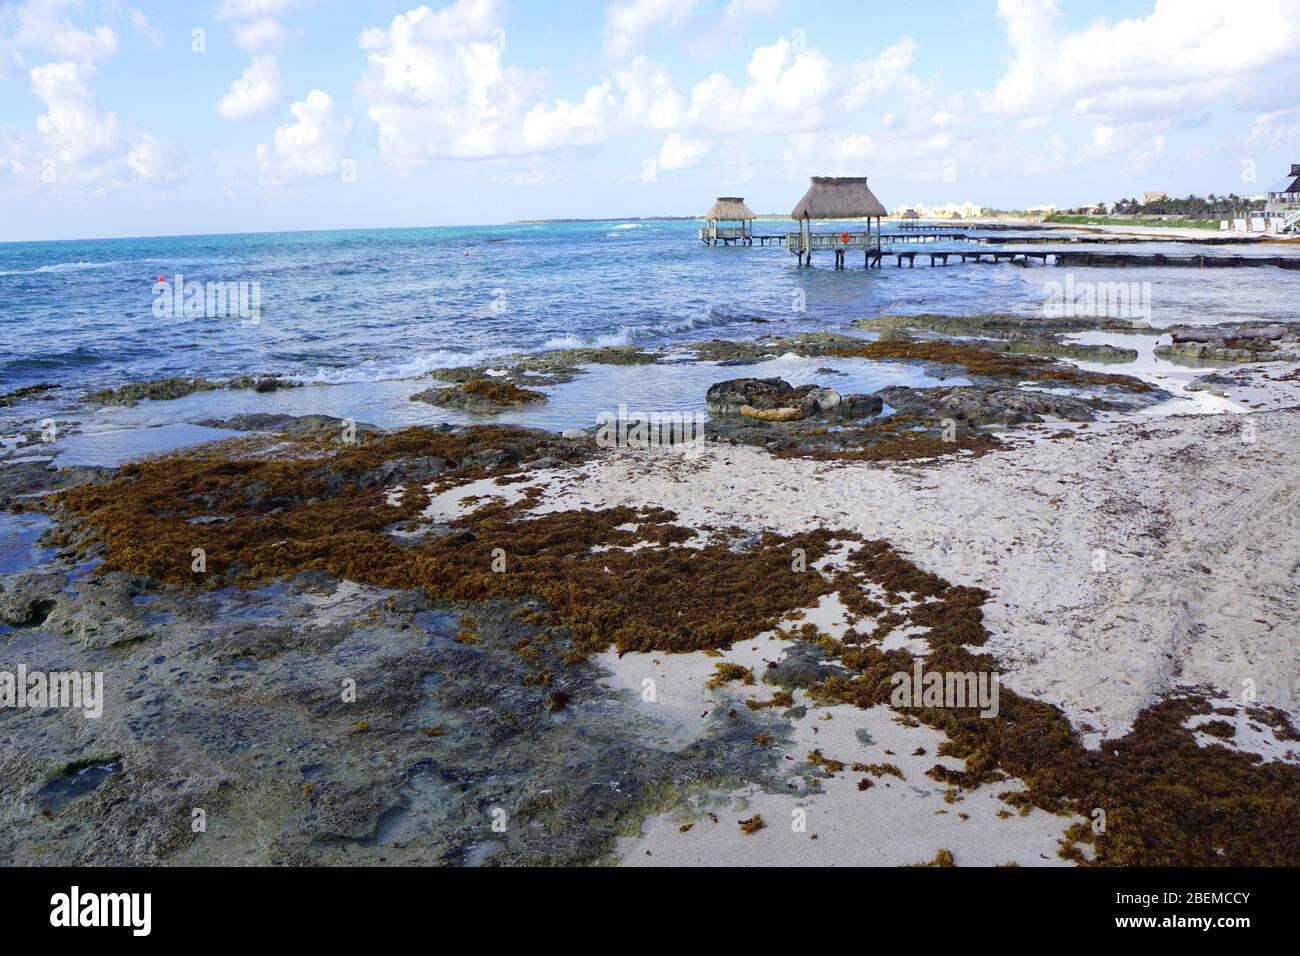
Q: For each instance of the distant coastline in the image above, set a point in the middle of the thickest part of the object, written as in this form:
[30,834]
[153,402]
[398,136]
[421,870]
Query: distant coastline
[556,222]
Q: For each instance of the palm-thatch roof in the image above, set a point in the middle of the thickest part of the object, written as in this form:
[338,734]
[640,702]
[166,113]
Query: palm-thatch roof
[838,197]
[911,214]
[729,209]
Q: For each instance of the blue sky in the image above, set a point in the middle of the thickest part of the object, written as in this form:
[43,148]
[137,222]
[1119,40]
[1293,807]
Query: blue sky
[118,118]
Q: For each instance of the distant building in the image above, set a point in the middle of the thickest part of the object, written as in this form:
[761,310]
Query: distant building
[1046,210]
[1282,204]
[1148,198]
[952,210]
[1284,195]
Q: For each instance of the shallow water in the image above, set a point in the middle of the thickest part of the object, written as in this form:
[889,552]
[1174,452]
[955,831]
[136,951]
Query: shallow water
[576,404]
[110,446]
[362,316]
[18,541]
[374,305]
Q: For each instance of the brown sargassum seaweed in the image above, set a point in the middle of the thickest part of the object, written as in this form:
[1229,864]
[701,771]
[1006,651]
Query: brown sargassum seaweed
[982,362]
[502,393]
[1166,799]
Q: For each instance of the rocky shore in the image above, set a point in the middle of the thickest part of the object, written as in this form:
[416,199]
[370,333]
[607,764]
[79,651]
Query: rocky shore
[324,642]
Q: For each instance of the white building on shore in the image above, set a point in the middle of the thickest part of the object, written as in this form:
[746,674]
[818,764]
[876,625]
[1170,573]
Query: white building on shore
[952,210]
[1281,212]
[1283,199]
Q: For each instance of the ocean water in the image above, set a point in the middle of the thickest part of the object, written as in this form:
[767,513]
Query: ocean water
[367,311]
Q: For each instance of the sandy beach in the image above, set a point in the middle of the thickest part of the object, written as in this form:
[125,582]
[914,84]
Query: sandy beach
[1124,564]
[683,653]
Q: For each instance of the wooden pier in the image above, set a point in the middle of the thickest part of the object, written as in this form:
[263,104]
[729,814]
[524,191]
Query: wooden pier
[936,258]
[1126,259]
[1096,259]
[1048,239]
[874,257]
[733,237]
[849,200]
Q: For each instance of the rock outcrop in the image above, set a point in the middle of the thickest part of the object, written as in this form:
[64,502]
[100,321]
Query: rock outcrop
[776,400]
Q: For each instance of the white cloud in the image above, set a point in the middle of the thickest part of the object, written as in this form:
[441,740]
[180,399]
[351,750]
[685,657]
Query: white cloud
[260,36]
[831,154]
[255,92]
[547,127]
[40,26]
[649,99]
[1272,130]
[144,26]
[437,85]
[252,9]
[83,144]
[74,142]
[678,152]
[151,157]
[627,21]
[1183,57]
[311,147]
[785,89]
[72,127]
[738,10]
[889,71]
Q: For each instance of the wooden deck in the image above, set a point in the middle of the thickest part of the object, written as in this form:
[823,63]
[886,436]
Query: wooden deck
[874,258]
[735,236]
[839,244]
[1125,259]
[876,248]
[1090,240]
[1095,259]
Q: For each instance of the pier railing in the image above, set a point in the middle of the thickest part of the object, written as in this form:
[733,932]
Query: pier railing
[797,242]
[724,232]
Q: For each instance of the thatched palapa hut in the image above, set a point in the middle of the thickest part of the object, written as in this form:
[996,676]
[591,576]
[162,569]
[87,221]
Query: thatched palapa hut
[728,209]
[837,197]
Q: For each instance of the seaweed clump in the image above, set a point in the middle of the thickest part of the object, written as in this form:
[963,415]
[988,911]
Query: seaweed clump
[481,395]
[256,516]
[985,363]
[727,673]
[621,576]
[1168,801]
[502,393]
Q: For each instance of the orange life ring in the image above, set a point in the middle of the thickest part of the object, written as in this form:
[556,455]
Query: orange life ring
[844,238]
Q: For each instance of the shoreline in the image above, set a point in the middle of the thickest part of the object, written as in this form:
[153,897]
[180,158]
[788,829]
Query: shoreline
[1118,558]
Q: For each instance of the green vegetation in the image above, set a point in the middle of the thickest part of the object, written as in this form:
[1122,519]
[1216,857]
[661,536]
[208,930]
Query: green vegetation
[1172,222]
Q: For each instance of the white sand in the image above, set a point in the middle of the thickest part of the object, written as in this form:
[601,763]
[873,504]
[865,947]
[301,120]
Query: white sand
[1126,562]
[894,822]
[1121,563]
[1132,560]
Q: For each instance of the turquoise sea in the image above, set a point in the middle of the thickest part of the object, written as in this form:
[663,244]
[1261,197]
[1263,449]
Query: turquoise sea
[371,311]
